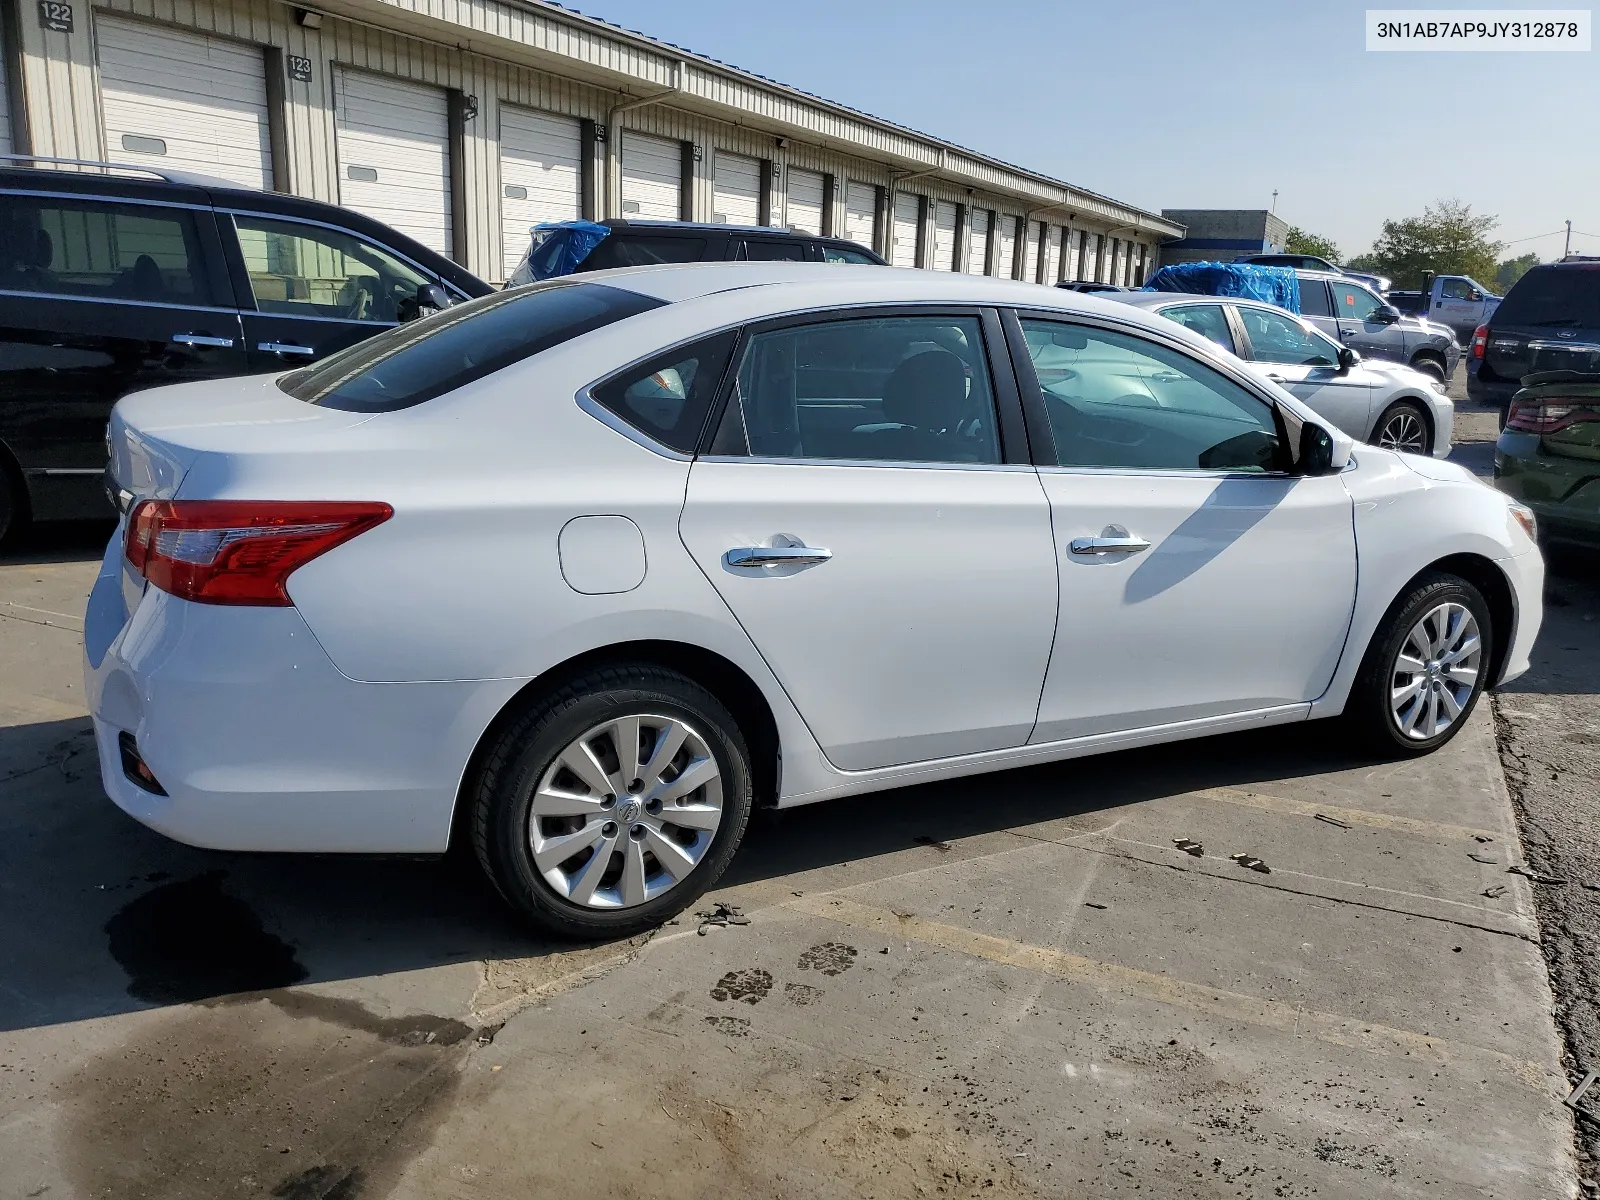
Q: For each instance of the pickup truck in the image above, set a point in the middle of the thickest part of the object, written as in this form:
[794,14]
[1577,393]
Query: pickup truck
[1454,300]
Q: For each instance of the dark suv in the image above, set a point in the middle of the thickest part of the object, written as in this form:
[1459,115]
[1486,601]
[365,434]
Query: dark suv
[1549,321]
[569,247]
[114,279]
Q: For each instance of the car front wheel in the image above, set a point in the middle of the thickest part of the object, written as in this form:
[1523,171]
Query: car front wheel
[1404,426]
[610,805]
[1424,670]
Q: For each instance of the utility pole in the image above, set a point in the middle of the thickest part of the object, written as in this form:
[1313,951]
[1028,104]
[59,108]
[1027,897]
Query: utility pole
[1567,249]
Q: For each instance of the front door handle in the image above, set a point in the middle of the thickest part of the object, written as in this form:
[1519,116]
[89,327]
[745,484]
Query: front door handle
[284,348]
[1126,544]
[201,339]
[1276,378]
[776,556]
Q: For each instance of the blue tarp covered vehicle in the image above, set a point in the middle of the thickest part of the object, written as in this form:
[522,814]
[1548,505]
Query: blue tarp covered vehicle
[1272,285]
[558,247]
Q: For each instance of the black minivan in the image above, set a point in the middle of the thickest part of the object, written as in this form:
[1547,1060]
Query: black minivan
[114,279]
[1549,321]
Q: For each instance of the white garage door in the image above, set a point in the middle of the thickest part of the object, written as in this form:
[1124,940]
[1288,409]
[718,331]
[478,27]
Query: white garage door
[736,190]
[944,236]
[804,212]
[1006,246]
[1074,243]
[1030,261]
[1091,258]
[977,240]
[904,251]
[541,158]
[652,177]
[394,154]
[1052,256]
[861,213]
[184,102]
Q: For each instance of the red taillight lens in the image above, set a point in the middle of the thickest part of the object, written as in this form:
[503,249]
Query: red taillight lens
[1550,415]
[1480,341]
[239,551]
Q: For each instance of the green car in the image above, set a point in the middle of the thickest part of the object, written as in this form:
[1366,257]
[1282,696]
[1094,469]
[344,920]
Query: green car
[1548,455]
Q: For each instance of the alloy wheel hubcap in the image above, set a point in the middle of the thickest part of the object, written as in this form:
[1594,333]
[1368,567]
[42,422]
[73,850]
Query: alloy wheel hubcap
[1435,672]
[1403,431]
[626,812]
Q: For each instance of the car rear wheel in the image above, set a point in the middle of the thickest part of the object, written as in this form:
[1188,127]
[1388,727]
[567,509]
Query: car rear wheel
[1424,670]
[612,804]
[11,511]
[1404,426]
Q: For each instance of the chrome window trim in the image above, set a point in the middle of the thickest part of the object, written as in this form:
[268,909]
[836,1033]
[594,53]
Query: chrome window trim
[234,213]
[262,312]
[231,312]
[610,419]
[768,461]
[1168,472]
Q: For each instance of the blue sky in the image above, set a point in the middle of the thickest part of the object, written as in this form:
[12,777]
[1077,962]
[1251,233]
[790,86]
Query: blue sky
[1164,103]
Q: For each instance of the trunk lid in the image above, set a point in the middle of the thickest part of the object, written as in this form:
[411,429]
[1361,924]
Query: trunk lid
[1550,321]
[155,437]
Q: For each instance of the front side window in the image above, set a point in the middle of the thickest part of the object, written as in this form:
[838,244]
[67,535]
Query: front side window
[310,271]
[667,398]
[771,251]
[412,363]
[1314,298]
[1208,320]
[838,254]
[101,250]
[642,250]
[1456,289]
[1117,401]
[892,389]
[1276,337]
[1353,302]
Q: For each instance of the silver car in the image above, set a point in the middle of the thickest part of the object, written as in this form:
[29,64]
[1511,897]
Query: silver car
[1383,403]
[1354,315]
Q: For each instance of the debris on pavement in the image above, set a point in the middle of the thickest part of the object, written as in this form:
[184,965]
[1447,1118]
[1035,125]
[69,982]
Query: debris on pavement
[1251,863]
[1531,875]
[1189,846]
[923,839]
[1494,892]
[1481,838]
[1324,817]
[1483,858]
[1092,904]
[1577,1093]
[720,916]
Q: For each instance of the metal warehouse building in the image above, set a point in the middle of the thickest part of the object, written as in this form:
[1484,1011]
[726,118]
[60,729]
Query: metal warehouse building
[463,122]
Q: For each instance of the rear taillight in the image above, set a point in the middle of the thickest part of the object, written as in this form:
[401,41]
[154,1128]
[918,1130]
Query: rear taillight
[1480,342]
[239,551]
[1549,415]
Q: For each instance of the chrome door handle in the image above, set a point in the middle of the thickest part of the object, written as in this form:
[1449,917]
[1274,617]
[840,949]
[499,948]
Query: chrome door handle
[200,339]
[1108,545]
[1276,378]
[284,348]
[776,556]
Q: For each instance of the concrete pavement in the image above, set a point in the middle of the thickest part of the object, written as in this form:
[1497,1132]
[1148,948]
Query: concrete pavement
[1012,985]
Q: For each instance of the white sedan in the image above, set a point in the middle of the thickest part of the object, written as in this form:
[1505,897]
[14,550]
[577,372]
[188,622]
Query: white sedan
[581,572]
[1388,404]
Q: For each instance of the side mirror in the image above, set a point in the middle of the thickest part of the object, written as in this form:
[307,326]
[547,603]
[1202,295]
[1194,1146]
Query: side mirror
[431,295]
[1348,358]
[1386,314]
[1474,294]
[1316,450]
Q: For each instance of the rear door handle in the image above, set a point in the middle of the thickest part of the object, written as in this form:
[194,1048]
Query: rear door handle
[201,339]
[1127,544]
[284,348]
[776,556]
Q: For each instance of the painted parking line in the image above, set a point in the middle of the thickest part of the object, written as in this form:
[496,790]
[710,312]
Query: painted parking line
[1131,983]
[1351,816]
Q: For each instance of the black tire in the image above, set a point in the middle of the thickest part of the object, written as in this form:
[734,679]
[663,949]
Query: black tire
[12,514]
[528,744]
[1368,714]
[1429,366]
[1405,409]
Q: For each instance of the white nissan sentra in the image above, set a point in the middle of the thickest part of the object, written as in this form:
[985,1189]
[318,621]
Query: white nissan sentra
[581,572]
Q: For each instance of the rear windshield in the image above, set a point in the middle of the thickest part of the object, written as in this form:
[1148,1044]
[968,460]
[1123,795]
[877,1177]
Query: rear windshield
[1554,298]
[418,361]
[642,250]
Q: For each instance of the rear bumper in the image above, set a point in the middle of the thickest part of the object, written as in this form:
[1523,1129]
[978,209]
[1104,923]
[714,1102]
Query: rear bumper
[1564,493]
[1497,392]
[259,741]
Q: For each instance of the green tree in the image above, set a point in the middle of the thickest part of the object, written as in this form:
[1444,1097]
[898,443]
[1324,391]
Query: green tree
[1298,241]
[1513,269]
[1447,239]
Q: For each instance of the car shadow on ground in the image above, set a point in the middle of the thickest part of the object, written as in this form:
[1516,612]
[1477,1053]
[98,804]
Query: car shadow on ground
[101,915]
[57,542]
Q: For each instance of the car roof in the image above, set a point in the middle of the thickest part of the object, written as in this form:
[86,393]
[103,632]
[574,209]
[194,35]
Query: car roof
[1159,300]
[623,224]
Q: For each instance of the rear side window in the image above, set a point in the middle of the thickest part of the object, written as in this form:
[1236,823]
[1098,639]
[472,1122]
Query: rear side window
[413,363]
[667,398]
[99,250]
[1554,297]
[628,250]
[1314,298]
[843,254]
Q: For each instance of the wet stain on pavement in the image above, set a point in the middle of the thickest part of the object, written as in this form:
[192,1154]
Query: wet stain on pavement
[320,1183]
[750,985]
[830,958]
[801,993]
[732,1026]
[191,940]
